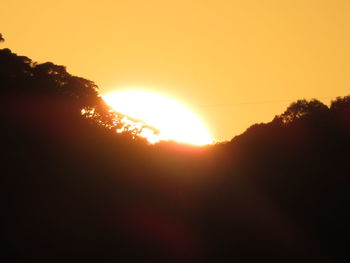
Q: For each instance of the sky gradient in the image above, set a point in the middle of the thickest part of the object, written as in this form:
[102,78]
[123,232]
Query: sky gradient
[233,63]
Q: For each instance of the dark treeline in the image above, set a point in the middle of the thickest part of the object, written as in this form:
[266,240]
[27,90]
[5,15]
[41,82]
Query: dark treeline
[75,190]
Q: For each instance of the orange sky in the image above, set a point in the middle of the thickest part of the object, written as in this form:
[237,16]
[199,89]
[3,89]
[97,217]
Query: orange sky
[234,63]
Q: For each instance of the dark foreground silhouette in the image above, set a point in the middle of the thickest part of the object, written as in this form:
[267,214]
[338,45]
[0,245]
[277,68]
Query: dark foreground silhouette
[74,190]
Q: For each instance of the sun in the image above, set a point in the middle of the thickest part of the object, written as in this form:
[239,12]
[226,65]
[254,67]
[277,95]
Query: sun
[173,120]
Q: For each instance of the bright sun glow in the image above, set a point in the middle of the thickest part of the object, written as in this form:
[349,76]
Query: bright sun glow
[171,119]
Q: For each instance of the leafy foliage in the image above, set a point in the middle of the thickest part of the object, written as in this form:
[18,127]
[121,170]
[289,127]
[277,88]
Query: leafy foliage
[21,78]
[302,109]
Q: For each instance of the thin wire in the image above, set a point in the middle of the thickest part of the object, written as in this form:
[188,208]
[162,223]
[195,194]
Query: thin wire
[256,102]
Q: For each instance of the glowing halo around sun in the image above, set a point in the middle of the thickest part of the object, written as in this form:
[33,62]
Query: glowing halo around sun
[170,118]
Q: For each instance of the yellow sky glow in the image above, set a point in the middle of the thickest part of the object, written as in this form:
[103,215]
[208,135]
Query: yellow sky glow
[234,63]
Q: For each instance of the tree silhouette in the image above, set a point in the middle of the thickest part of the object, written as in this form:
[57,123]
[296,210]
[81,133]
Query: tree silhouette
[341,104]
[20,77]
[303,109]
[1,38]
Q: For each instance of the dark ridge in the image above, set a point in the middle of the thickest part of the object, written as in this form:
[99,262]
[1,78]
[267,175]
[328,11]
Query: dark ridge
[74,190]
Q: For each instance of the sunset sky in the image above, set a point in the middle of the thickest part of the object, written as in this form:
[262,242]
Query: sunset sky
[233,63]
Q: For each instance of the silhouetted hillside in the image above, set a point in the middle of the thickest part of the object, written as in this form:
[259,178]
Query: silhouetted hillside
[75,190]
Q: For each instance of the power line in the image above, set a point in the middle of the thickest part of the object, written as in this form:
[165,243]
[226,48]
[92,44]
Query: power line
[257,102]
